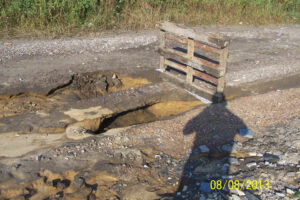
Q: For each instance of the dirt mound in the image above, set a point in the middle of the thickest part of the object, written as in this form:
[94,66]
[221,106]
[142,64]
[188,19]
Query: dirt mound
[89,85]
[81,86]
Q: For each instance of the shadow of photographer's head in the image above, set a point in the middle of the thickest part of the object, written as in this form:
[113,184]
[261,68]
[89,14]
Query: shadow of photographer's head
[214,124]
[219,97]
[215,127]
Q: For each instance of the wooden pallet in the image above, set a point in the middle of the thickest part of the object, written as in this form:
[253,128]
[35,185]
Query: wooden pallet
[190,63]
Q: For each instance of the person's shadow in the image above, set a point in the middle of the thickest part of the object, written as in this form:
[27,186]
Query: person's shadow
[209,160]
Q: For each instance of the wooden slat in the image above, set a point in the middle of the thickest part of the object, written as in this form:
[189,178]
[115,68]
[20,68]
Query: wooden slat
[176,65]
[208,90]
[197,44]
[199,60]
[162,45]
[176,38]
[162,39]
[182,57]
[206,77]
[207,38]
[162,64]
[207,47]
[205,92]
[206,62]
[198,74]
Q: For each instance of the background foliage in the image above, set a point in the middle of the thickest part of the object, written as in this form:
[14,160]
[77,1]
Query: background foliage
[63,17]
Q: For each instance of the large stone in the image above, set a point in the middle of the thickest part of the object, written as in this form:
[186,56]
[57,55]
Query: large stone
[205,187]
[204,149]
[289,191]
[246,133]
[270,157]
[232,160]
[251,164]
[235,197]
[228,148]
[78,181]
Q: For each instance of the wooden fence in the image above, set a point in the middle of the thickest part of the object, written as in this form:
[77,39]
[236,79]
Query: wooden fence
[190,63]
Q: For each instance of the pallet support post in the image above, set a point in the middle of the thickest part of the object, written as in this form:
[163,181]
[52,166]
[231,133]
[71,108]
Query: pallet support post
[162,45]
[190,52]
[221,80]
[223,66]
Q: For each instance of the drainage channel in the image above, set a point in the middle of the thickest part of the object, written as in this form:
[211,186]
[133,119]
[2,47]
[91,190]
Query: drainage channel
[91,103]
[147,114]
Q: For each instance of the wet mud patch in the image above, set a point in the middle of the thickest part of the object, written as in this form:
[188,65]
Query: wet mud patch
[22,103]
[95,84]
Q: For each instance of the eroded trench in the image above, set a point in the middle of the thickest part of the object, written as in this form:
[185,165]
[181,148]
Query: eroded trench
[90,103]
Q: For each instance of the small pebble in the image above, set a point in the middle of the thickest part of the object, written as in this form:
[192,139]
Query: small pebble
[251,164]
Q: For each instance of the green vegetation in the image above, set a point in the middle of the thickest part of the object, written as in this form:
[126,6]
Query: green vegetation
[63,17]
[297,195]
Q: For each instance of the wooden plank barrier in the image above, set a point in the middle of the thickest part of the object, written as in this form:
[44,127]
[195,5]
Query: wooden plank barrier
[195,66]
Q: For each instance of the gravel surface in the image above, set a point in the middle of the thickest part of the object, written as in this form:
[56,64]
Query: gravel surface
[255,52]
[17,48]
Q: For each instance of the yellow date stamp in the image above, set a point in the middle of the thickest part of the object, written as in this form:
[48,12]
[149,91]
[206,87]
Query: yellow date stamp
[240,185]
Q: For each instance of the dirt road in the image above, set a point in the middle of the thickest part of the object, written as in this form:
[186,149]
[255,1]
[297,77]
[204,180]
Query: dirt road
[256,53]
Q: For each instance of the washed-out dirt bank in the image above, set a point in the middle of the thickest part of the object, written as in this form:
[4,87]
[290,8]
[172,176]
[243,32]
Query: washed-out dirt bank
[89,104]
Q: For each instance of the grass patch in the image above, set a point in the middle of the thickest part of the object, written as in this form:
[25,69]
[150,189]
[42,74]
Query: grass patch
[65,17]
[297,195]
